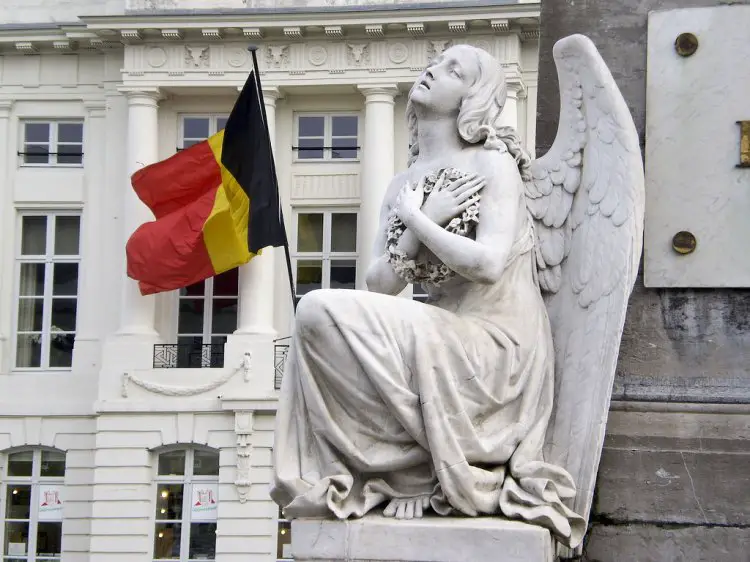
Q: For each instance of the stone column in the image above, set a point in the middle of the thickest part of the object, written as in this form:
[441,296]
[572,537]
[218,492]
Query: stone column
[530,137]
[7,148]
[87,351]
[257,276]
[137,312]
[509,116]
[377,168]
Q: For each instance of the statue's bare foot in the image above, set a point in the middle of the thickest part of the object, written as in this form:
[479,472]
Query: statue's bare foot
[407,508]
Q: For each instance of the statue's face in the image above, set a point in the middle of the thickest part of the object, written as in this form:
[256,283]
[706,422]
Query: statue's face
[446,81]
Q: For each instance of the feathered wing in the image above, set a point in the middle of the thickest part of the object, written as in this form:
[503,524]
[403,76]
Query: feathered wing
[586,196]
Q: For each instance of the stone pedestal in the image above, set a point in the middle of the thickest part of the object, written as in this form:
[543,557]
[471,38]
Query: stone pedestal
[432,539]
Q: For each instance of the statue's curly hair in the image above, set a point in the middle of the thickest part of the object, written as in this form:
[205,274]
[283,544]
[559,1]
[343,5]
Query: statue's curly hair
[479,114]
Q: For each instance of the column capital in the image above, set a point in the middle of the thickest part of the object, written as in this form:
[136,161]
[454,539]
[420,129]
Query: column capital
[378,92]
[149,96]
[5,108]
[271,94]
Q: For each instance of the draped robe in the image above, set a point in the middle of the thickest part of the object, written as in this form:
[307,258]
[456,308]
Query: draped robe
[385,397]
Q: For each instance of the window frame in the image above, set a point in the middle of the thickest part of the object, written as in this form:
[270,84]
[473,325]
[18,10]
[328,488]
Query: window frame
[34,481]
[282,523]
[213,126]
[326,256]
[327,135]
[49,259]
[187,480]
[208,299]
[52,143]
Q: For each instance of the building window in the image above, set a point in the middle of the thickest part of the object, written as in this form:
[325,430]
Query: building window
[32,524]
[52,143]
[47,292]
[197,128]
[284,539]
[207,314]
[326,252]
[419,293]
[327,137]
[187,499]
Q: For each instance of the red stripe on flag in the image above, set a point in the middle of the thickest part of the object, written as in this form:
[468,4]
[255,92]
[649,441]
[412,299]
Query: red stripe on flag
[179,180]
[170,253]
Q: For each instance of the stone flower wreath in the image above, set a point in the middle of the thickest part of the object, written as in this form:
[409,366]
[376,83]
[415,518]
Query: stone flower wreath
[428,273]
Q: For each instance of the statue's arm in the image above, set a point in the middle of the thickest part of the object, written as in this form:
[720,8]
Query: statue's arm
[482,260]
[380,275]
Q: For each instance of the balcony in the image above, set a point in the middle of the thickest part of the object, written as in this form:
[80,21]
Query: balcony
[189,355]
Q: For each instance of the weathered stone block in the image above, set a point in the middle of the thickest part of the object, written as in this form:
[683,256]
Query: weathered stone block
[432,539]
[652,543]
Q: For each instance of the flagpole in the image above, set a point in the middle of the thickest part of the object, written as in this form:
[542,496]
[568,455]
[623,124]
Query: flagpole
[256,73]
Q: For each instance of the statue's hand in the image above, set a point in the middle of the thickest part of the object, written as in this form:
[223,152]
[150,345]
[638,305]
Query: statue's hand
[448,201]
[409,200]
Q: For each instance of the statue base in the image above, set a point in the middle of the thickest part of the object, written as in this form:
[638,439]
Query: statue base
[375,538]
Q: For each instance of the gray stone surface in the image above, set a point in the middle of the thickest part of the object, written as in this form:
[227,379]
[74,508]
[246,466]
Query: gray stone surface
[650,543]
[432,539]
[673,487]
[678,345]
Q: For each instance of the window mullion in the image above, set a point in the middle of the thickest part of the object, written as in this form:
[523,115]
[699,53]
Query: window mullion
[187,500]
[47,297]
[36,469]
[208,307]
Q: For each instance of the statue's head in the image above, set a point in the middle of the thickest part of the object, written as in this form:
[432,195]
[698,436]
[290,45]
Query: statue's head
[465,83]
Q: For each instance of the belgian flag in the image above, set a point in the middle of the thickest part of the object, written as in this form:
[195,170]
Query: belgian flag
[216,204]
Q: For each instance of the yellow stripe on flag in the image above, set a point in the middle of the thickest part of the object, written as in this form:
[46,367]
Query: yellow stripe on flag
[225,230]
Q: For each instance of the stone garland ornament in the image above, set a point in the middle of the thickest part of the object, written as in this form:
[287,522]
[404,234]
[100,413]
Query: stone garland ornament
[429,273]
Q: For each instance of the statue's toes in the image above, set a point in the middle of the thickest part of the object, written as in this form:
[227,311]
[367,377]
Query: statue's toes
[401,511]
[390,509]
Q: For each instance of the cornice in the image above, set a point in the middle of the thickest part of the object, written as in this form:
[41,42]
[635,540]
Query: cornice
[100,33]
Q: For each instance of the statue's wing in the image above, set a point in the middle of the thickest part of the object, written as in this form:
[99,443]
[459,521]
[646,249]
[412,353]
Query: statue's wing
[586,196]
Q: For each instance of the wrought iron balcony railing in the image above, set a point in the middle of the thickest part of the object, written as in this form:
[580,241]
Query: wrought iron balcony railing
[280,352]
[188,356]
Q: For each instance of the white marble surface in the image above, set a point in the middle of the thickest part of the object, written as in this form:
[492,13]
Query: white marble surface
[433,539]
[692,148]
[492,397]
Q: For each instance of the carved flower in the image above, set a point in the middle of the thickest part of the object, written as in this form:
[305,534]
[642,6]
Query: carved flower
[429,273]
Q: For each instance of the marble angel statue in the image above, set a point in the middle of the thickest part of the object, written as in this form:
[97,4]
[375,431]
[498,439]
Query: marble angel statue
[492,397]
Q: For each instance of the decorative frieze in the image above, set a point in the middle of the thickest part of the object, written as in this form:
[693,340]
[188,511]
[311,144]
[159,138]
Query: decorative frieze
[196,57]
[401,57]
[278,56]
[436,47]
[317,54]
[358,54]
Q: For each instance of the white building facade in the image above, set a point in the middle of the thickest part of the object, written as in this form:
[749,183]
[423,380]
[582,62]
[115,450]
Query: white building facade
[141,428]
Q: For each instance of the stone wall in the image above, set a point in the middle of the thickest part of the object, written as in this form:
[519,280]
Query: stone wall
[673,481]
